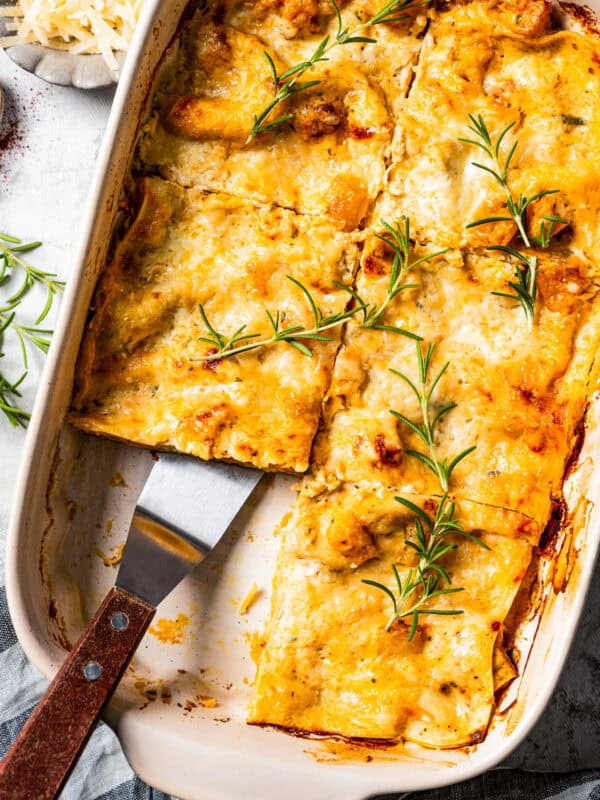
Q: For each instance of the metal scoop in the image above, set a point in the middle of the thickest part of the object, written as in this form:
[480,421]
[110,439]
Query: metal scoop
[184,509]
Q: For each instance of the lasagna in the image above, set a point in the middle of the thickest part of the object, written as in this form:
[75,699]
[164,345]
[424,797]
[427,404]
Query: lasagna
[363,191]
[138,379]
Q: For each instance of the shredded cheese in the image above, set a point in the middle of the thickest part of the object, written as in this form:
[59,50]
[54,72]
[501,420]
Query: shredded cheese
[79,26]
[252,595]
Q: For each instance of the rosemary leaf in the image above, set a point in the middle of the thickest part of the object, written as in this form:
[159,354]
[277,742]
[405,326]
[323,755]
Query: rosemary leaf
[12,262]
[397,237]
[429,579]
[9,394]
[11,249]
[569,119]
[524,287]
[426,428]
[287,83]
[223,346]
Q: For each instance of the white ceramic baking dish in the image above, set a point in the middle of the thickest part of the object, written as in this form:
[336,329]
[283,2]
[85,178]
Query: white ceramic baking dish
[73,503]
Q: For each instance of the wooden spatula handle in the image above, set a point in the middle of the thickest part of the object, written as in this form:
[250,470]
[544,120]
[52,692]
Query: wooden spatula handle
[43,755]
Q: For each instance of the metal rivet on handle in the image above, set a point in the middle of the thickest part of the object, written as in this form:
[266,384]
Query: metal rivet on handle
[92,671]
[119,621]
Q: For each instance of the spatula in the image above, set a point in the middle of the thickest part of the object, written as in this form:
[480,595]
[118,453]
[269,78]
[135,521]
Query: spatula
[184,509]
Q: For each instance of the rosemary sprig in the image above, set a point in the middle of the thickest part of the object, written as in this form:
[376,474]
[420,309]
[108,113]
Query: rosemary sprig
[525,285]
[431,417]
[295,335]
[12,250]
[39,337]
[398,238]
[427,580]
[289,82]
[15,415]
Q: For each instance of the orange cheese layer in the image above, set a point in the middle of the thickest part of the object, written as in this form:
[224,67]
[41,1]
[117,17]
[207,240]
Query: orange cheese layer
[219,79]
[329,665]
[519,395]
[137,377]
[479,61]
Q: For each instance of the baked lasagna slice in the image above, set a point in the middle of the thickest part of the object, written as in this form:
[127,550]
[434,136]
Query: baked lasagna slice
[329,665]
[140,376]
[294,28]
[519,395]
[505,62]
[336,658]
[330,158]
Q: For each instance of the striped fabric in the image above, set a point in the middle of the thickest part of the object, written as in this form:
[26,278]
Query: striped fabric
[102,772]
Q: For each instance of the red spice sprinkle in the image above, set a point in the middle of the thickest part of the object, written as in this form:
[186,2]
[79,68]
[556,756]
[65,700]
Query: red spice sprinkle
[18,117]
[211,365]
[373,267]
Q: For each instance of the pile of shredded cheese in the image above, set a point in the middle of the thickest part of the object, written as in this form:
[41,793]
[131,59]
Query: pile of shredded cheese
[79,26]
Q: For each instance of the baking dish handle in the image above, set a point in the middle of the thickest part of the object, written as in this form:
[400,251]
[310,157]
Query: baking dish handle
[46,750]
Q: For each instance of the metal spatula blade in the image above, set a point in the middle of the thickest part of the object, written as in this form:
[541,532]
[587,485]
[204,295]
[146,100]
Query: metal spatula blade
[184,509]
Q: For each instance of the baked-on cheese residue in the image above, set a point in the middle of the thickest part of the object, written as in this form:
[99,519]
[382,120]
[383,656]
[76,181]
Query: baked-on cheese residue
[217,220]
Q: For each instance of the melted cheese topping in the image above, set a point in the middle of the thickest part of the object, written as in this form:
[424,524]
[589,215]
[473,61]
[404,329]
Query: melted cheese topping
[342,130]
[345,524]
[328,664]
[518,395]
[547,86]
[137,378]
[368,143]
[294,28]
